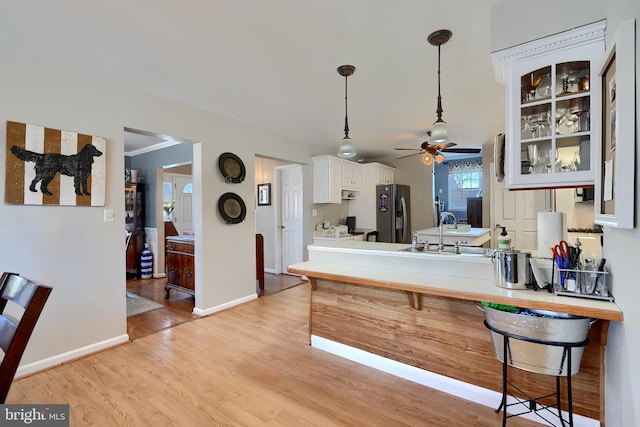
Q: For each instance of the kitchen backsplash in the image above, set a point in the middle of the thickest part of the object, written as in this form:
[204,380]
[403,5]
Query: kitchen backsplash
[579,215]
[333,213]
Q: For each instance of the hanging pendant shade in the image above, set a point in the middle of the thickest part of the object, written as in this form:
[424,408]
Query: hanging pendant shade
[346,145]
[346,148]
[440,131]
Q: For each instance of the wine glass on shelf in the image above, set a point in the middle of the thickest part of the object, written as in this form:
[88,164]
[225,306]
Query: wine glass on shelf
[532,125]
[532,153]
[532,85]
[540,122]
[559,118]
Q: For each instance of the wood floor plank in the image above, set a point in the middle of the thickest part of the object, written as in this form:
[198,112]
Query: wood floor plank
[251,365]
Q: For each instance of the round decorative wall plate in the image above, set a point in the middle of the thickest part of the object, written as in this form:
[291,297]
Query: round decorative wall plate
[232,208]
[231,167]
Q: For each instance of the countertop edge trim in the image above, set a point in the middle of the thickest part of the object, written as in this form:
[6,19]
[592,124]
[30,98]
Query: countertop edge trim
[470,296]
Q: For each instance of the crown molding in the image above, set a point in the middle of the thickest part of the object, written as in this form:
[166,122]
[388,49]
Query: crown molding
[578,36]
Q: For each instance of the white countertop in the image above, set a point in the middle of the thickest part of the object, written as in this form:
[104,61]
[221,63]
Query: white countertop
[473,236]
[454,276]
[341,237]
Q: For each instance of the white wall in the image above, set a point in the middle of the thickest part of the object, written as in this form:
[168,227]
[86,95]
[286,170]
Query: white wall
[82,257]
[511,25]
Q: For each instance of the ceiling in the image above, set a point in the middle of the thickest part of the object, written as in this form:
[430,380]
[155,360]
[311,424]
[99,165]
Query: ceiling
[273,64]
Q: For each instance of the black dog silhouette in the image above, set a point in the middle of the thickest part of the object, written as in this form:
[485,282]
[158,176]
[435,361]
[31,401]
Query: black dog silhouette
[48,164]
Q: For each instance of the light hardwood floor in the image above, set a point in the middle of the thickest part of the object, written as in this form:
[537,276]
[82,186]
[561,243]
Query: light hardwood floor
[250,365]
[178,308]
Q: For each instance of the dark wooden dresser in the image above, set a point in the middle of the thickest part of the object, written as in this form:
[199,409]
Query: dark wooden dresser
[180,264]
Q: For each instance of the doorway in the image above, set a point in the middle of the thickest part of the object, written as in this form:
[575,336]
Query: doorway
[284,207]
[177,200]
[291,216]
[151,154]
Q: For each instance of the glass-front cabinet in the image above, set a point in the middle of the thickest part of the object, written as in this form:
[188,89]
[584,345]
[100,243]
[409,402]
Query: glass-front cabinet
[552,108]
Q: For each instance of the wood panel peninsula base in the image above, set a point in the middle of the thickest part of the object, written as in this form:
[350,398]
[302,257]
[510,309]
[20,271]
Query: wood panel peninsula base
[416,316]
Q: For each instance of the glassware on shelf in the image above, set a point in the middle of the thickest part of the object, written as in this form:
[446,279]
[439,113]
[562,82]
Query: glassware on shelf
[536,85]
[536,157]
[565,73]
[572,77]
[535,122]
[580,108]
[570,154]
[573,116]
[544,90]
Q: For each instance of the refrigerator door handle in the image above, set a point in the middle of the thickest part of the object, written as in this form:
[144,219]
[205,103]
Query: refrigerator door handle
[404,219]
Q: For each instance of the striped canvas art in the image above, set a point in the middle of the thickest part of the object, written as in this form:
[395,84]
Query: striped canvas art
[54,167]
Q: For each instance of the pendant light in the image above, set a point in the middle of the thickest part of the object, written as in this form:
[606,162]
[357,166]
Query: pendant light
[346,145]
[439,132]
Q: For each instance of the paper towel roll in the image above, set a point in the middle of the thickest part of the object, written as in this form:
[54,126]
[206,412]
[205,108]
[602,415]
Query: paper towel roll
[552,227]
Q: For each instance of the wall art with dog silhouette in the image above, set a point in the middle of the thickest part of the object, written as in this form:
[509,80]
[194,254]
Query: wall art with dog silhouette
[54,167]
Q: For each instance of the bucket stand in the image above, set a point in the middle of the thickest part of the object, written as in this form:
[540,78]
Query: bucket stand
[534,404]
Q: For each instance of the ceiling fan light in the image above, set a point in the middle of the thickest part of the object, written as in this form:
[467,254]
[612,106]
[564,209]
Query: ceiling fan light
[439,158]
[427,159]
[346,148]
[439,133]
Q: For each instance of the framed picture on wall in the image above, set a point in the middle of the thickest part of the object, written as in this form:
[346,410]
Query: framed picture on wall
[264,194]
[615,164]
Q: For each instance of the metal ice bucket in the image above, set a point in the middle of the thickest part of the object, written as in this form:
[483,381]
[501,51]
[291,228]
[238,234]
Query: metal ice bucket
[535,357]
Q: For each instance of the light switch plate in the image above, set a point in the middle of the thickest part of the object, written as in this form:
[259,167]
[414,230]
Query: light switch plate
[108,215]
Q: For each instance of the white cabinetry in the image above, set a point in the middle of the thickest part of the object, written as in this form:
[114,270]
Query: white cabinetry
[327,181]
[364,206]
[331,175]
[384,174]
[553,106]
[351,176]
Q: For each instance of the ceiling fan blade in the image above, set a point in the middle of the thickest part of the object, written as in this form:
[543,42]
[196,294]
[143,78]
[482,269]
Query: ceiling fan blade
[437,147]
[445,145]
[408,155]
[461,150]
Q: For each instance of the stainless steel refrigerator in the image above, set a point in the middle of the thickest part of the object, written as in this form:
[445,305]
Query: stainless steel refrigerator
[393,213]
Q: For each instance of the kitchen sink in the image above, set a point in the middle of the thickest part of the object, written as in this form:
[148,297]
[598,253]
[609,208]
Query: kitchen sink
[450,250]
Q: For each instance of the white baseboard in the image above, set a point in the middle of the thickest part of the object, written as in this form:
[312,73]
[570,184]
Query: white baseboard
[270,270]
[432,380]
[59,359]
[224,306]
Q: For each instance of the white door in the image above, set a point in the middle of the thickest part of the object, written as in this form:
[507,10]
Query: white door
[518,212]
[181,196]
[291,215]
[183,214]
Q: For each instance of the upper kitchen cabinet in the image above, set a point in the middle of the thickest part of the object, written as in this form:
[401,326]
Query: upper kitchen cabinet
[331,175]
[384,174]
[364,207]
[553,108]
[351,176]
[327,179]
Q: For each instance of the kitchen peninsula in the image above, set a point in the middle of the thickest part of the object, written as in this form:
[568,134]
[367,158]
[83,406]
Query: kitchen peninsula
[420,311]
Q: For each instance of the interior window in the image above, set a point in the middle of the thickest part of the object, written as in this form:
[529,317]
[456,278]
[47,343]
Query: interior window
[465,180]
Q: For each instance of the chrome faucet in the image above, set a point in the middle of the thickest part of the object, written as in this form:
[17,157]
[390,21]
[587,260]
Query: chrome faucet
[440,233]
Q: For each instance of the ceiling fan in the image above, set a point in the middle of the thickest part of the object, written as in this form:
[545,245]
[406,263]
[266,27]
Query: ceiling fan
[435,151]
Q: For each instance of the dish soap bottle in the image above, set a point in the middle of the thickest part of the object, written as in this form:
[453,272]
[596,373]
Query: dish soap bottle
[504,240]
